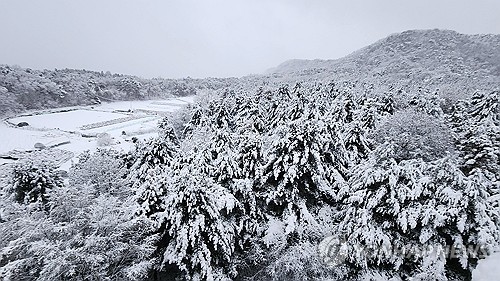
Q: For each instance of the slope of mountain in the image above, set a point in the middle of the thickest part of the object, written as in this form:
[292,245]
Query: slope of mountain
[432,58]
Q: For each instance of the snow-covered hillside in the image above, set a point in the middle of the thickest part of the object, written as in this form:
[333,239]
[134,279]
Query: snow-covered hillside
[430,58]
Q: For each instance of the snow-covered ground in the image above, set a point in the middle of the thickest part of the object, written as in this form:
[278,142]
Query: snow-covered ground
[488,269]
[80,127]
[67,121]
[153,105]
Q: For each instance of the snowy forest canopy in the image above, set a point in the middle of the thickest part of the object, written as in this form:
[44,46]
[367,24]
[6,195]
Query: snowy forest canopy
[244,185]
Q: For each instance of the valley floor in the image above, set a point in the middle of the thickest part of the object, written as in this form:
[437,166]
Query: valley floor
[80,128]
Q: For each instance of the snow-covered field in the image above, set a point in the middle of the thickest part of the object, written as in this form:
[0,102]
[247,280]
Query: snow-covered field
[152,105]
[78,129]
[67,121]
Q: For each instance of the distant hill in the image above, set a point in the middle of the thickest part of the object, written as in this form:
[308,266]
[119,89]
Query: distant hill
[433,58]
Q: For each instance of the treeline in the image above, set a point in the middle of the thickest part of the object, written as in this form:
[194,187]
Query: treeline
[27,89]
[246,185]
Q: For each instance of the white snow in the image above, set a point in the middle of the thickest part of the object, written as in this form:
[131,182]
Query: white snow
[67,121]
[169,105]
[147,123]
[24,139]
[488,269]
[135,118]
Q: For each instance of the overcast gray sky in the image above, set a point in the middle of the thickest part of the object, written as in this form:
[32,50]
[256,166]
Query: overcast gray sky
[218,38]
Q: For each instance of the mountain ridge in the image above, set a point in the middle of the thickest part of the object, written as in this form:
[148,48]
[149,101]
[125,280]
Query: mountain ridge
[293,65]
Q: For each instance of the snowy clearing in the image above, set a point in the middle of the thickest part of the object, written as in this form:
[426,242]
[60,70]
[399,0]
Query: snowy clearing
[78,129]
[169,105]
[67,121]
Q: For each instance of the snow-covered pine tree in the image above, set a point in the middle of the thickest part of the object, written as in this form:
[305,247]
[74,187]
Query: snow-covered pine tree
[195,151]
[478,135]
[32,181]
[485,108]
[224,156]
[356,119]
[298,103]
[199,237]
[248,115]
[219,114]
[301,170]
[458,116]
[199,117]
[155,158]
[386,104]
[368,115]
[285,106]
[249,154]
[479,147]
[233,161]
[212,147]
[356,143]
[401,218]
[247,138]
[344,107]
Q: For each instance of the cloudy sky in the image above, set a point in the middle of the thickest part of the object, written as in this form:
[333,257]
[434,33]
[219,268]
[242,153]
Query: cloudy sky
[217,38]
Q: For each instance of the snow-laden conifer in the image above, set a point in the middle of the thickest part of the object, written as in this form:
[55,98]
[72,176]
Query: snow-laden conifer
[403,217]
